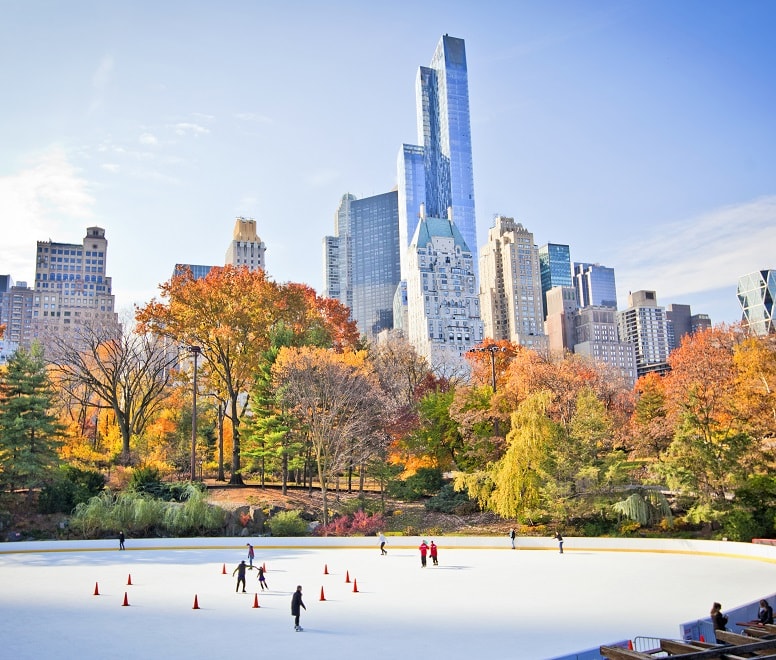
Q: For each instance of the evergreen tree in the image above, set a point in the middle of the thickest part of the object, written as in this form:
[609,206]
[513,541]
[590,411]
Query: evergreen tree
[29,432]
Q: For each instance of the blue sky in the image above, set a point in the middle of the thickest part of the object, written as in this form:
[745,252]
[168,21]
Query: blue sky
[640,133]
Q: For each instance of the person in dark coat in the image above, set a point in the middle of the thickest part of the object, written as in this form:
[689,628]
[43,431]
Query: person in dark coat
[559,537]
[432,551]
[121,541]
[240,570]
[296,606]
[512,537]
[423,551]
[765,615]
[718,619]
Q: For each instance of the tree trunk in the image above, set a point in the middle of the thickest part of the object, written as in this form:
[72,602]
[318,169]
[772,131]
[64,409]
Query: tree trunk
[236,478]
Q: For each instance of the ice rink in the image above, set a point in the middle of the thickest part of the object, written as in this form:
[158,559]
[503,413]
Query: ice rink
[484,600]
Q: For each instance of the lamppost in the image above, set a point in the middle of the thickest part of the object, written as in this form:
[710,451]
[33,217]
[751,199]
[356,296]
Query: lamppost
[492,349]
[195,351]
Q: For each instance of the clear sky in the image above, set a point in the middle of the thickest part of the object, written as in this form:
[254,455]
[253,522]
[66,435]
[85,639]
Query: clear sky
[641,133]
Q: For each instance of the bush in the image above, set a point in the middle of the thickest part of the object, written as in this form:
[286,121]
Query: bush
[742,526]
[287,523]
[450,501]
[425,482]
[70,487]
[358,524]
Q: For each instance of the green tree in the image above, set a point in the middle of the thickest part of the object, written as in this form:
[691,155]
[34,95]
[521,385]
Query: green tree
[29,432]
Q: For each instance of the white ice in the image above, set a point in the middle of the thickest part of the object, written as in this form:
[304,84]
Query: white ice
[483,601]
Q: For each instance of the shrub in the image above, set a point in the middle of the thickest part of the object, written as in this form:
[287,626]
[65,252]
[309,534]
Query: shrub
[450,501]
[358,524]
[741,525]
[70,487]
[426,481]
[287,523]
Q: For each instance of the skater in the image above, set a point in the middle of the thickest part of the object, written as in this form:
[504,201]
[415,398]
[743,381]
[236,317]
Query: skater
[262,579]
[718,619]
[559,537]
[296,604]
[240,570]
[512,537]
[251,555]
[433,553]
[383,551]
[121,541]
[423,550]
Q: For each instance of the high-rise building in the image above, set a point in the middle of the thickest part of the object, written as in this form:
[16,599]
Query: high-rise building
[16,300]
[559,323]
[438,171]
[643,324]
[246,248]
[361,263]
[71,288]
[597,338]
[198,271]
[681,322]
[595,285]
[554,268]
[510,285]
[756,293]
[443,307]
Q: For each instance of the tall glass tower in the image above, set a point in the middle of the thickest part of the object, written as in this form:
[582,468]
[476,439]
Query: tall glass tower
[555,269]
[438,171]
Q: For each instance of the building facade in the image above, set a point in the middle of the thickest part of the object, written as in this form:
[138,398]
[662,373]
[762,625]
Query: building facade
[681,322]
[643,324]
[72,288]
[16,309]
[554,269]
[437,172]
[510,285]
[559,322]
[756,293]
[597,338]
[361,263]
[246,248]
[595,285]
[443,310]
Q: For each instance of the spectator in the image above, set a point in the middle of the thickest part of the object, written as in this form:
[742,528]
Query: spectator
[717,618]
[765,615]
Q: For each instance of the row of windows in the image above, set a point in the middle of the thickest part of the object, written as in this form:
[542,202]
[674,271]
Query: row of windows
[77,252]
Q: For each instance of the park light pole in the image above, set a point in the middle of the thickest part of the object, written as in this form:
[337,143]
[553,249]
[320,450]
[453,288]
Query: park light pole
[195,351]
[492,349]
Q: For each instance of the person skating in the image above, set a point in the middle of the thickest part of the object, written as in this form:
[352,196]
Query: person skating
[512,537]
[432,551]
[383,551]
[423,551]
[251,555]
[121,541]
[297,605]
[240,570]
[559,538]
[262,579]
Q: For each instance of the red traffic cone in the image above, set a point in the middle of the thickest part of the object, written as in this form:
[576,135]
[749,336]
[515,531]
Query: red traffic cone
[96,589]
[702,639]
[347,577]
[355,586]
[129,580]
[126,600]
[223,570]
[196,603]
[630,645]
[325,569]
[322,596]
[256,601]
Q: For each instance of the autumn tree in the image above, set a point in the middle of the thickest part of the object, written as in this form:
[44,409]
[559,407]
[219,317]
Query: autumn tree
[29,431]
[127,374]
[337,400]
[651,431]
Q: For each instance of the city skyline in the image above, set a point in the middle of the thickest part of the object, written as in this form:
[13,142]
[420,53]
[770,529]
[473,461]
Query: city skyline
[640,135]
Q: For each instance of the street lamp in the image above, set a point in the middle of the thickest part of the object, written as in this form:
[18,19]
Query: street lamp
[195,351]
[492,349]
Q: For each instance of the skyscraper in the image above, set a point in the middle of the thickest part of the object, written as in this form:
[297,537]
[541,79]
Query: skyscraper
[71,287]
[554,268]
[361,263]
[680,322]
[595,285]
[443,306]
[643,324]
[756,294]
[510,285]
[246,248]
[438,171]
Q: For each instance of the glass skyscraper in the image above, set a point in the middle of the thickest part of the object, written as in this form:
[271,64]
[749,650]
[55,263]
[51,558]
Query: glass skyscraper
[554,268]
[756,293]
[438,172]
[595,285]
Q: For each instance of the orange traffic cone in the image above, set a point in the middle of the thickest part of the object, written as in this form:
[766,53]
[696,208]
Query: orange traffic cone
[223,570]
[96,589]
[322,596]
[347,577]
[196,603]
[256,601]
[355,586]
[129,580]
[126,600]
[325,569]
[630,645]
